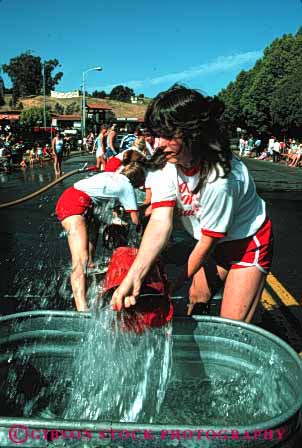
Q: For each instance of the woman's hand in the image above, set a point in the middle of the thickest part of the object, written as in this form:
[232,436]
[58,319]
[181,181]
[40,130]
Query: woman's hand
[126,294]
[155,238]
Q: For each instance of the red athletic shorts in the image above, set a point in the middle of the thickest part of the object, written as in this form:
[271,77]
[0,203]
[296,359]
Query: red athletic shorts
[256,250]
[73,202]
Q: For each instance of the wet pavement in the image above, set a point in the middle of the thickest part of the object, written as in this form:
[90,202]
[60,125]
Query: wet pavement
[34,257]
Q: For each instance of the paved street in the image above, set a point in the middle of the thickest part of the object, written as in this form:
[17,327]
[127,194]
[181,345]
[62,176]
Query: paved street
[34,259]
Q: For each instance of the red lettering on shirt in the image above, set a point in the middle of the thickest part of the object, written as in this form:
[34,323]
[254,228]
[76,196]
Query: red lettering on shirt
[182,212]
[183,188]
[187,199]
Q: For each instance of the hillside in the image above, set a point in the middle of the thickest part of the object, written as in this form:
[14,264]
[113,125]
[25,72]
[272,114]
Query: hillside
[119,108]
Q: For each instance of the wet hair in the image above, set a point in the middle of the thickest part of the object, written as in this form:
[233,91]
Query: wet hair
[132,156]
[185,113]
[135,173]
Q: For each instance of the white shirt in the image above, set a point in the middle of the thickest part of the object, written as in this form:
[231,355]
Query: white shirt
[109,186]
[276,147]
[271,143]
[226,208]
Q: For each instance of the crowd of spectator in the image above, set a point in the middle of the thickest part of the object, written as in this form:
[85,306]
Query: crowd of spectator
[16,152]
[288,151]
[109,143]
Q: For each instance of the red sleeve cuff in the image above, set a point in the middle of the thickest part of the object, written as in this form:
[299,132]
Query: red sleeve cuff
[163,204]
[213,234]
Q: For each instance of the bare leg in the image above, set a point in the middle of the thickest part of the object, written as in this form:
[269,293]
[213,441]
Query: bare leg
[100,163]
[206,282]
[242,292]
[78,245]
[60,158]
[56,165]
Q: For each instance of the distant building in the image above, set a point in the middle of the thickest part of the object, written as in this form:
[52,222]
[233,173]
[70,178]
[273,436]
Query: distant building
[66,121]
[137,100]
[10,117]
[98,113]
[72,94]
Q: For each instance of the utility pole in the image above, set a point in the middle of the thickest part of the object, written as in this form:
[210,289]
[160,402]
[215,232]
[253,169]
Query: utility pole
[44,98]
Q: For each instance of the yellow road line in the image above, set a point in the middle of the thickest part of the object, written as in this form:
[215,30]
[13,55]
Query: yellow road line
[267,301]
[281,292]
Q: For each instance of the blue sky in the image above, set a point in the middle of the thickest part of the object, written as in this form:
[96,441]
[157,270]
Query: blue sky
[147,45]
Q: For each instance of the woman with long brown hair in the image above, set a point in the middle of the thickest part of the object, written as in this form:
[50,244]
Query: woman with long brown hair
[216,200]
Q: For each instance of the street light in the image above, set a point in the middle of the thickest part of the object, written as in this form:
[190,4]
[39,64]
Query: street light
[98,69]
[44,97]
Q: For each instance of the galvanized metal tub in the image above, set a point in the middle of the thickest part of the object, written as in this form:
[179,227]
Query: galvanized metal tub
[201,347]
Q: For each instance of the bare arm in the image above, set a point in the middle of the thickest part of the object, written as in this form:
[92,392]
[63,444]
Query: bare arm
[148,196]
[53,146]
[200,254]
[111,139]
[134,217]
[197,258]
[154,240]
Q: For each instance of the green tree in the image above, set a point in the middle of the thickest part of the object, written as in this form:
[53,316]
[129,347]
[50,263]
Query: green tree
[26,73]
[286,103]
[34,117]
[121,93]
[72,108]
[231,96]
[99,94]
[59,109]
[261,99]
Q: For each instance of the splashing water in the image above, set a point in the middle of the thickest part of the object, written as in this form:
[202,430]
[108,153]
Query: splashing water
[119,375]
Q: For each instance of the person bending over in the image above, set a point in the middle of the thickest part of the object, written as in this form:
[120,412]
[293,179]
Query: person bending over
[81,209]
[214,196]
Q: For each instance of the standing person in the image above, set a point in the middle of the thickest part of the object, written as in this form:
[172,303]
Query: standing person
[81,209]
[250,146]
[110,142]
[276,151]
[89,142]
[149,140]
[57,147]
[258,146]
[128,140]
[270,148]
[39,155]
[216,200]
[241,146]
[99,148]
[32,156]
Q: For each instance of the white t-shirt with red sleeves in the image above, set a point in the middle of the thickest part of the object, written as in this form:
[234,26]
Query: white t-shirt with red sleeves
[109,186]
[225,208]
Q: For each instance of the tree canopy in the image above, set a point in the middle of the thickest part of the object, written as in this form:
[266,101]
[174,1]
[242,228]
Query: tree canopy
[34,117]
[121,93]
[99,94]
[267,98]
[26,74]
